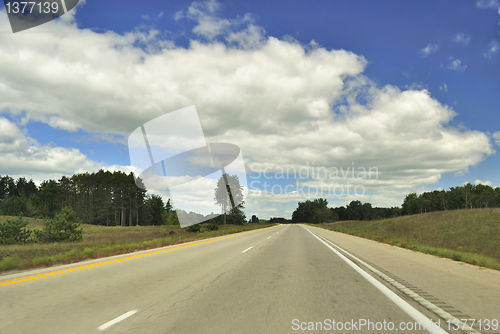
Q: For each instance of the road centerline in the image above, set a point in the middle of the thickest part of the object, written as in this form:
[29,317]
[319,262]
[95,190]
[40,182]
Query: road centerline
[125,257]
[246,250]
[116,320]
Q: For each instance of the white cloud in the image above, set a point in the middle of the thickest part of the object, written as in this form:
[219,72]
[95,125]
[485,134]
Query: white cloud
[430,48]
[488,4]
[416,86]
[486,183]
[210,27]
[496,137]
[455,65]
[251,37]
[21,155]
[148,18]
[240,31]
[209,24]
[178,15]
[281,102]
[493,48]
[443,87]
[461,38]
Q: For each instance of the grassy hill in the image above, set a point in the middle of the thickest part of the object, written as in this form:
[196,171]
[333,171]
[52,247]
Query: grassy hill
[471,236]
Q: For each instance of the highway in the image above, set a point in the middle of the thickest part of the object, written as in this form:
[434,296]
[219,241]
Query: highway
[284,279]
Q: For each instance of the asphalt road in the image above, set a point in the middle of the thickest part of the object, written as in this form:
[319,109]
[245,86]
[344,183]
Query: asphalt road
[278,280]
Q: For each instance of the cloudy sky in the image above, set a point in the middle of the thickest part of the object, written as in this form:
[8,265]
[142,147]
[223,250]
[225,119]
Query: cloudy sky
[309,91]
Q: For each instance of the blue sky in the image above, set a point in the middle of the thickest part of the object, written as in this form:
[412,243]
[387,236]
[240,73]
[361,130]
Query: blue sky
[409,87]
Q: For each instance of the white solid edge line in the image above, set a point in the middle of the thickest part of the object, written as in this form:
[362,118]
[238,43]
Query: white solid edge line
[116,320]
[247,249]
[407,308]
[422,301]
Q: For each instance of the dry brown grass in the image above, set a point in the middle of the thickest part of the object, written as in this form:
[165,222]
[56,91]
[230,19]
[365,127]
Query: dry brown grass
[471,236]
[100,241]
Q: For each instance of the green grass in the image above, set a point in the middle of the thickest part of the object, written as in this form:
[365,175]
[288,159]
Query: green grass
[471,236]
[101,241]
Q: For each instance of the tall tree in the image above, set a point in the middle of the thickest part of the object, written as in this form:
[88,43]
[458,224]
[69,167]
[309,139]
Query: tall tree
[314,212]
[228,193]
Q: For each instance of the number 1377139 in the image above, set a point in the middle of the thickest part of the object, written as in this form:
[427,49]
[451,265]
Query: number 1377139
[25,7]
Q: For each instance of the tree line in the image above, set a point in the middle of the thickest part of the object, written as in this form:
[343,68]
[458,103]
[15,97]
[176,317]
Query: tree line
[101,198]
[106,198]
[467,196]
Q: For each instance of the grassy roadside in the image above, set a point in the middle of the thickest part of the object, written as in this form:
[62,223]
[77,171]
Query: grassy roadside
[471,236]
[102,241]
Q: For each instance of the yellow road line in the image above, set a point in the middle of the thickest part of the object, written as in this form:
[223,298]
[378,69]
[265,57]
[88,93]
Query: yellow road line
[97,264]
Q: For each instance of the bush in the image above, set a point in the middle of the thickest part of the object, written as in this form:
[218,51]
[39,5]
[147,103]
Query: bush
[194,228]
[171,232]
[8,263]
[63,227]
[170,218]
[213,225]
[14,231]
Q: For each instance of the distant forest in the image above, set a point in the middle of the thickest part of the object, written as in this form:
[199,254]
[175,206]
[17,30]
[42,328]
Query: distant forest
[467,196]
[102,198]
[112,198]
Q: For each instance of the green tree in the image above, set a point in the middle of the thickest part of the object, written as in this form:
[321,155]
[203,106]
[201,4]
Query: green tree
[154,210]
[14,206]
[14,231]
[168,206]
[410,205]
[467,192]
[48,199]
[236,216]
[172,218]
[65,226]
[313,212]
[333,215]
[227,193]
[456,199]
[167,212]
[354,210]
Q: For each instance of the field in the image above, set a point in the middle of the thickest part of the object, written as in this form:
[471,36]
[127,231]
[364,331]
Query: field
[471,236]
[101,241]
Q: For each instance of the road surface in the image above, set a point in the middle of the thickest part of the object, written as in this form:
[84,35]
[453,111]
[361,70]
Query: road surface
[285,279]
